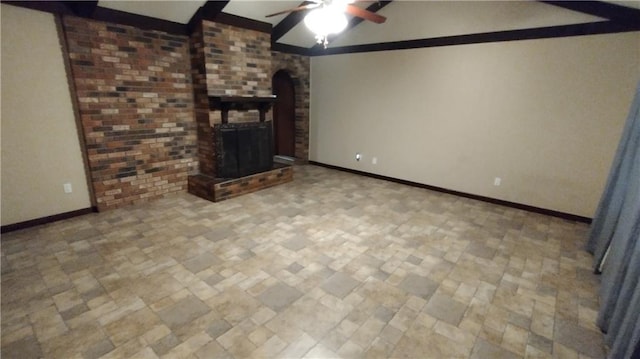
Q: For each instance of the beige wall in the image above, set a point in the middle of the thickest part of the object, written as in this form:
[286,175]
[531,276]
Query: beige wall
[40,146]
[543,115]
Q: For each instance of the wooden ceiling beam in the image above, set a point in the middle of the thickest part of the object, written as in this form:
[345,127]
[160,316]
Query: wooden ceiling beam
[601,27]
[90,10]
[212,11]
[243,22]
[288,23]
[82,8]
[53,7]
[617,13]
[139,21]
[209,11]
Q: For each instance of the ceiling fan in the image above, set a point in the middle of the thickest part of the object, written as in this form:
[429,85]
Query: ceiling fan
[328,16]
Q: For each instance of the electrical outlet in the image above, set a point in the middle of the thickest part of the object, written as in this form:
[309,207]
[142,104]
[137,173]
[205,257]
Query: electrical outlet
[374,160]
[67,188]
[358,156]
[497,181]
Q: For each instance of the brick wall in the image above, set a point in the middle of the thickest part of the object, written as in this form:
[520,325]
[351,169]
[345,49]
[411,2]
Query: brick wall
[136,105]
[298,68]
[205,138]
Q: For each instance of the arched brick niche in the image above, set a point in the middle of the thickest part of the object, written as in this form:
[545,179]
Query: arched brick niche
[298,68]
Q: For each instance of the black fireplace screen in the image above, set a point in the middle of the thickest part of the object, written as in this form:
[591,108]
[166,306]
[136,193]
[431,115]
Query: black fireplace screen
[243,148]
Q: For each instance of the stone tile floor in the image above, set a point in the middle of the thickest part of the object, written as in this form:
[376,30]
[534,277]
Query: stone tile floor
[329,265]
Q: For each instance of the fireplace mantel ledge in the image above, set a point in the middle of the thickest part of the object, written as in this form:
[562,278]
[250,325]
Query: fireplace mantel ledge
[241,103]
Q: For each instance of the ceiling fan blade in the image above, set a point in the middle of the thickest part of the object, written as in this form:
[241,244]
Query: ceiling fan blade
[365,14]
[299,8]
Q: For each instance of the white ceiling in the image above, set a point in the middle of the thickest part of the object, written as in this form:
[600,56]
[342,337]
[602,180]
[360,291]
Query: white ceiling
[257,10]
[176,11]
[406,20]
[628,3]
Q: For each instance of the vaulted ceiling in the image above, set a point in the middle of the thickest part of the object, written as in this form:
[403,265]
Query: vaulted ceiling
[409,24]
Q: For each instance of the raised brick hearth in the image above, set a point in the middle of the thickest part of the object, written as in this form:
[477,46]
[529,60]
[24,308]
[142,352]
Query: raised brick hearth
[216,189]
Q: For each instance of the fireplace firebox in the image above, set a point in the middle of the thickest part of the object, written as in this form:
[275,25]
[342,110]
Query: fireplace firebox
[243,149]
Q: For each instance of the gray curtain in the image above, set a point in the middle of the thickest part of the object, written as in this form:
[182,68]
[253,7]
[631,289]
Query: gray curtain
[615,231]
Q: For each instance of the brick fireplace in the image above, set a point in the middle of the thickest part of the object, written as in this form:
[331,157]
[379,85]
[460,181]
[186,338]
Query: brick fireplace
[231,69]
[143,104]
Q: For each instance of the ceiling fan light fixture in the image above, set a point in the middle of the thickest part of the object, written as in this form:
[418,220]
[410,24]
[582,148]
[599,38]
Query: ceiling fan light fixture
[324,21]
